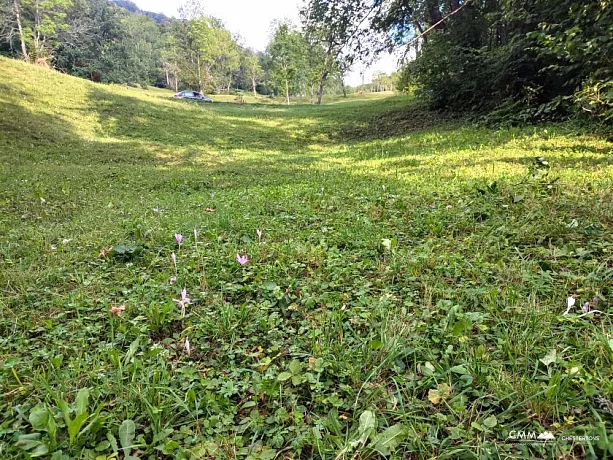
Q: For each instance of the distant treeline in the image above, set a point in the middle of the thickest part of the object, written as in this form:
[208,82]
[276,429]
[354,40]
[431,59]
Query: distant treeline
[116,42]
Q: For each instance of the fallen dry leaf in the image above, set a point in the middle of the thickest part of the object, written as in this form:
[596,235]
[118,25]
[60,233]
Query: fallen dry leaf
[210,210]
[117,310]
[441,392]
[105,251]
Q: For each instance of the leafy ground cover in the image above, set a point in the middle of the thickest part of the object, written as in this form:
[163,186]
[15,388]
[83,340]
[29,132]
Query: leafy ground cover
[405,297]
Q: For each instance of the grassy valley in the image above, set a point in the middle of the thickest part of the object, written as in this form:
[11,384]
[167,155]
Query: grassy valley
[405,298]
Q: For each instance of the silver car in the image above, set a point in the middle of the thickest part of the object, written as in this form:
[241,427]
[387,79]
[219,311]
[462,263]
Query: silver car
[193,96]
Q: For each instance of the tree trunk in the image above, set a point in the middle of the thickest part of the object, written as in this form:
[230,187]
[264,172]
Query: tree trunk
[344,87]
[312,95]
[37,39]
[322,83]
[200,76]
[255,93]
[287,91]
[434,13]
[22,40]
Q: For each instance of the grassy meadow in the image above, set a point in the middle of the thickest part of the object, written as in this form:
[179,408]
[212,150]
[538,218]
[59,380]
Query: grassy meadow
[405,299]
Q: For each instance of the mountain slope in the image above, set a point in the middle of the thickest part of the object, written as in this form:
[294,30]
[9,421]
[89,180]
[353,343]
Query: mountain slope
[133,8]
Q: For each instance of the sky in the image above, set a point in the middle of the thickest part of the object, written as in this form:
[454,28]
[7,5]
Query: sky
[251,20]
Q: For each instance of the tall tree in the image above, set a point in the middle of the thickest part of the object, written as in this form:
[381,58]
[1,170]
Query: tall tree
[11,25]
[87,47]
[285,54]
[252,68]
[46,20]
[336,26]
[226,56]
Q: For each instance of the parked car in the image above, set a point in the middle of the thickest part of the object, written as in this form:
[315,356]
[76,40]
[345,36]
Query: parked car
[193,96]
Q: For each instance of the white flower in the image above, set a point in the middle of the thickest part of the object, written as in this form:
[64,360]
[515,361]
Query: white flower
[188,348]
[571,303]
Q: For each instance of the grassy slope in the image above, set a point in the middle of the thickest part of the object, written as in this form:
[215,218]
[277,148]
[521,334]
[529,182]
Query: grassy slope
[400,257]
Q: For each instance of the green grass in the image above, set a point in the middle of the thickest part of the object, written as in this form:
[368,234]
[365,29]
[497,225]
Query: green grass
[405,300]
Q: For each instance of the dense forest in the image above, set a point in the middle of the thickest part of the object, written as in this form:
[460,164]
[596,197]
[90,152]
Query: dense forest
[516,59]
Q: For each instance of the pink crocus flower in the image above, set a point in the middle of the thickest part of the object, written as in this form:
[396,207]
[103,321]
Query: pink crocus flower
[188,347]
[259,232]
[173,256]
[242,259]
[179,238]
[183,301]
[173,280]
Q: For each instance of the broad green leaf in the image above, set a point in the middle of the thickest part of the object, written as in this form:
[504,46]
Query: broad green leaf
[165,433]
[113,442]
[459,370]
[39,418]
[367,426]
[39,451]
[386,442]
[82,400]
[283,376]
[368,422]
[63,405]
[295,366]
[102,446]
[269,285]
[28,441]
[126,435]
[490,421]
[75,426]
[549,358]
[132,351]
[59,455]
[427,368]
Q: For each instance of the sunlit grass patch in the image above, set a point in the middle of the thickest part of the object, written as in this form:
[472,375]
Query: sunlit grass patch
[412,276]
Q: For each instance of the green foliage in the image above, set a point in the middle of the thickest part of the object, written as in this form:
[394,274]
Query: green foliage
[285,57]
[525,60]
[404,299]
[333,30]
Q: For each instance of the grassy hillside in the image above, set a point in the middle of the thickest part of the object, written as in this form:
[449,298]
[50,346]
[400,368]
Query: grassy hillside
[405,299]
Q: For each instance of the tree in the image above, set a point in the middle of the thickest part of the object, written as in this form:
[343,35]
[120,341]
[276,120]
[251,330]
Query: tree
[46,20]
[530,58]
[87,46]
[225,54]
[11,25]
[208,53]
[171,60]
[137,54]
[315,59]
[336,26]
[285,54]
[252,69]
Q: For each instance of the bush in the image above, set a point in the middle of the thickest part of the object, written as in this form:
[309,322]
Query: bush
[532,60]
